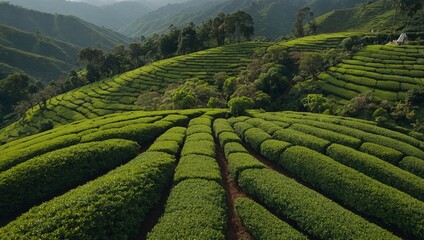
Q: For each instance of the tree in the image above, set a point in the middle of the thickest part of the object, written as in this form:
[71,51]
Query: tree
[187,41]
[272,82]
[239,105]
[317,103]
[183,99]
[229,86]
[218,29]
[14,89]
[410,7]
[239,25]
[302,15]
[311,63]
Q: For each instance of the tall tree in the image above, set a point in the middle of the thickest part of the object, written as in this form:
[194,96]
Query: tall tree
[187,41]
[239,25]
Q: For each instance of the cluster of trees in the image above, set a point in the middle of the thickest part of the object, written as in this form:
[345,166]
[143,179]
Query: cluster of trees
[224,28]
[305,16]
[260,85]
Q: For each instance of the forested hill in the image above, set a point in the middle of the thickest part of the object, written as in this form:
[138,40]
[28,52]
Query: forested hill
[273,18]
[65,28]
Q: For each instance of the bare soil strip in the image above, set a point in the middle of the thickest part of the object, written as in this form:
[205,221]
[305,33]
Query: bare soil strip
[235,229]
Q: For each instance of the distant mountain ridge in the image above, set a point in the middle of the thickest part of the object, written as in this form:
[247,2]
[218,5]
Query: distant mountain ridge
[113,15]
[45,46]
[273,18]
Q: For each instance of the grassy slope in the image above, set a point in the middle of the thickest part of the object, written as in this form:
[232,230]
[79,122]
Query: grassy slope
[65,28]
[118,94]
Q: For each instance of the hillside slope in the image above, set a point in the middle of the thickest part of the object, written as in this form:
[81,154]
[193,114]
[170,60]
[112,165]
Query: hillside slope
[38,56]
[273,18]
[377,17]
[119,93]
[65,28]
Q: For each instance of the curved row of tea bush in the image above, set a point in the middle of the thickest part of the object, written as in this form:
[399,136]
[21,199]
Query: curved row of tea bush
[110,207]
[313,213]
[119,93]
[43,177]
[197,201]
[388,71]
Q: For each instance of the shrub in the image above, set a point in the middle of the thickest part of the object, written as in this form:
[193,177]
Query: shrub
[298,138]
[197,166]
[128,193]
[227,137]
[220,127]
[238,162]
[413,165]
[180,130]
[328,135]
[241,127]
[255,137]
[378,169]
[255,121]
[269,127]
[262,224]
[272,149]
[384,153]
[356,190]
[130,122]
[45,176]
[198,129]
[141,133]
[200,137]
[177,120]
[170,147]
[195,209]
[316,214]
[206,121]
[233,147]
[238,105]
[171,136]
[235,120]
[12,158]
[206,148]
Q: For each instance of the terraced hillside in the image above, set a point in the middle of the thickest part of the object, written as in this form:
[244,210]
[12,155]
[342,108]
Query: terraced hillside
[194,174]
[387,70]
[118,94]
[317,43]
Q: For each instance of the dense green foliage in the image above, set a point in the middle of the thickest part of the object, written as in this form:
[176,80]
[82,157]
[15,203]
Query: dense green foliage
[128,193]
[262,224]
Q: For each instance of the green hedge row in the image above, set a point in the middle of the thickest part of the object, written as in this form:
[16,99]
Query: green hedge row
[206,148]
[235,120]
[328,135]
[233,147]
[269,127]
[195,209]
[255,137]
[197,167]
[238,162]
[206,121]
[302,139]
[178,120]
[43,177]
[387,154]
[312,212]
[381,131]
[365,136]
[262,224]
[378,169]
[110,207]
[198,129]
[12,158]
[130,122]
[255,121]
[356,190]
[413,165]
[241,127]
[272,149]
[227,137]
[170,147]
[200,137]
[141,133]
[220,126]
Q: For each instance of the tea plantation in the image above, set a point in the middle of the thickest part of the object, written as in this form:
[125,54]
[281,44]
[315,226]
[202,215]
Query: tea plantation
[200,174]
[118,94]
[387,70]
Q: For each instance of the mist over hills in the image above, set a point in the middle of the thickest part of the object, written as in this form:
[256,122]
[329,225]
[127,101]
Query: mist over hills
[273,18]
[113,15]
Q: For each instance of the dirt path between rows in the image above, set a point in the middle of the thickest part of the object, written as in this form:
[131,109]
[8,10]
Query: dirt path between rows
[235,229]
